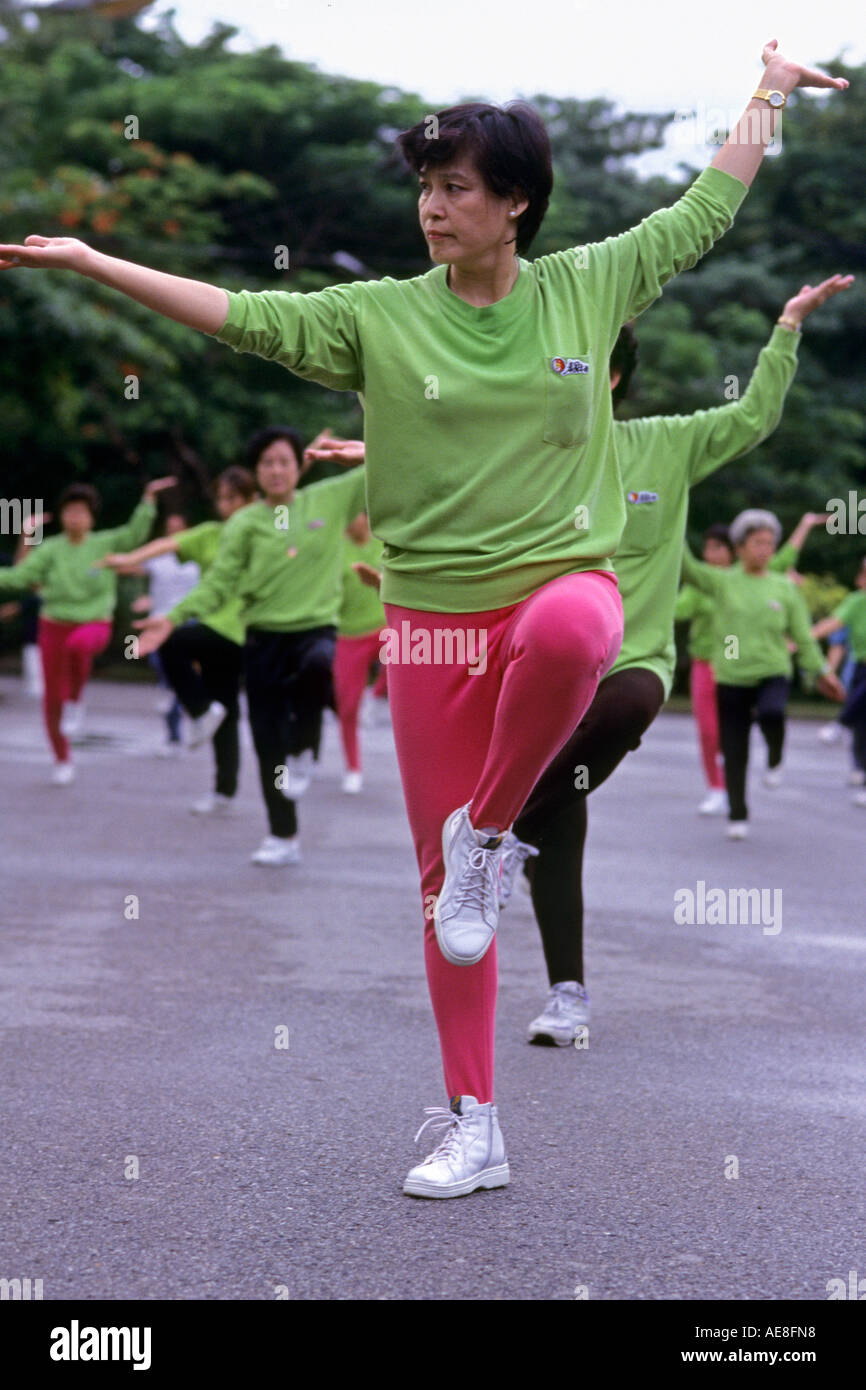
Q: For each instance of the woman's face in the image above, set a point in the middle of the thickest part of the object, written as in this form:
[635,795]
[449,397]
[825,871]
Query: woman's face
[757,549]
[278,469]
[462,220]
[228,501]
[716,552]
[76,519]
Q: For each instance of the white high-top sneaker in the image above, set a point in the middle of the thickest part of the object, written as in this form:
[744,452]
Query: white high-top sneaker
[275,851]
[299,774]
[352,782]
[466,914]
[204,728]
[471,1154]
[514,855]
[715,803]
[31,663]
[72,719]
[564,1017]
[62,774]
[213,804]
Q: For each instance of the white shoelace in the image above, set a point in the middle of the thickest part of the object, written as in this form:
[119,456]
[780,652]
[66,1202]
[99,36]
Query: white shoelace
[443,1118]
[480,879]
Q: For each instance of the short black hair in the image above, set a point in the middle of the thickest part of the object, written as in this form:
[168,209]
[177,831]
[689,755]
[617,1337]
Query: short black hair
[81,492]
[623,359]
[509,146]
[262,440]
[719,532]
[239,480]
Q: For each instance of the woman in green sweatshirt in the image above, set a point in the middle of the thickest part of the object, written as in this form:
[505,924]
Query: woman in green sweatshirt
[851,614]
[758,612]
[78,602]
[493,482]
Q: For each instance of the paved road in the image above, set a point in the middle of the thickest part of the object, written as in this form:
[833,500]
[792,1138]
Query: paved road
[264,1168]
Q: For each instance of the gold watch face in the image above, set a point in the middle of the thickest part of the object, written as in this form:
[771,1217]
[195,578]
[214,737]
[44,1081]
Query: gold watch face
[776,99]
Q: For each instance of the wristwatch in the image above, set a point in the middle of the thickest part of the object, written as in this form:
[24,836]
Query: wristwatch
[776,99]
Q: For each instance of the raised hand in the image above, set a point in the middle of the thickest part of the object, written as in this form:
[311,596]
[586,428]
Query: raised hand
[45,253]
[786,74]
[801,305]
[158,485]
[343,451]
[154,632]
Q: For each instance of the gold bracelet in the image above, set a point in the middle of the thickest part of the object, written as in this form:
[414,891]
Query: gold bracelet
[794,326]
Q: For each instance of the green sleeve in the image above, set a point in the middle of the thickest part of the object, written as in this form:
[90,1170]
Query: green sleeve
[810,658]
[314,335]
[626,273]
[716,436]
[27,574]
[120,539]
[708,578]
[190,544]
[843,612]
[785,558]
[686,603]
[222,581]
[356,493]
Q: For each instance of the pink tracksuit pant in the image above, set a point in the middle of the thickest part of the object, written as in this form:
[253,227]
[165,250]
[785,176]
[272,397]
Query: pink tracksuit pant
[482,731]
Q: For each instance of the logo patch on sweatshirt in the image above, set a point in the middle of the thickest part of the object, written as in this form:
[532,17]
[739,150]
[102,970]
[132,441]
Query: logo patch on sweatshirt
[774,604]
[644,496]
[568,366]
[315,523]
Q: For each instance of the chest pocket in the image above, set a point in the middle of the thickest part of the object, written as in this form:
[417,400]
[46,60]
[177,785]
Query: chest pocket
[643,521]
[567,399]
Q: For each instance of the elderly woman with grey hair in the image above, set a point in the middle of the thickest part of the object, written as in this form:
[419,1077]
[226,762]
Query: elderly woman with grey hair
[759,613]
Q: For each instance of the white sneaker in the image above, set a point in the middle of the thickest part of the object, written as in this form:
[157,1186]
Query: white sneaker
[738,830]
[353,782]
[514,855]
[859,799]
[63,774]
[204,728]
[213,804]
[31,664]
[773,777]
[715,803]
[72,719]
[164,701]
[564,1016]
[299,774]
[466,914]
[471,1155]
[276,852]
[172,748]
[830,733]
[856,777]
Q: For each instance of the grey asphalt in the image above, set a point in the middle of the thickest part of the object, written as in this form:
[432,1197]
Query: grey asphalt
[268,1171]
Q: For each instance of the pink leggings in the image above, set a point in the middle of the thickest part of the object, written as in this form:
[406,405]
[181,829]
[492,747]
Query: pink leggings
[485,738]
[67,651]
[703,691]
[352,662]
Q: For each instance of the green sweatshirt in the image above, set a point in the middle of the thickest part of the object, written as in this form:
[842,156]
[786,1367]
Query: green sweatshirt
[361,609]
[201,543]
[660,459]
[754,616]
[72,590]
[491,466]
[700,610]
[852,611]
[285,564]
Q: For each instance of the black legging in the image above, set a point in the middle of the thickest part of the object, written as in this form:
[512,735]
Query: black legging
[738,706]
[555,816]
[853,716]
[289,683]
[201,666]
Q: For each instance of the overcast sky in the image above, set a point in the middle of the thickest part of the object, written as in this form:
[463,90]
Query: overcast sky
[680,55]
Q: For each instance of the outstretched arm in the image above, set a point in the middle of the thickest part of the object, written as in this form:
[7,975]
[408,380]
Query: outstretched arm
[163,545]
[186,301]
